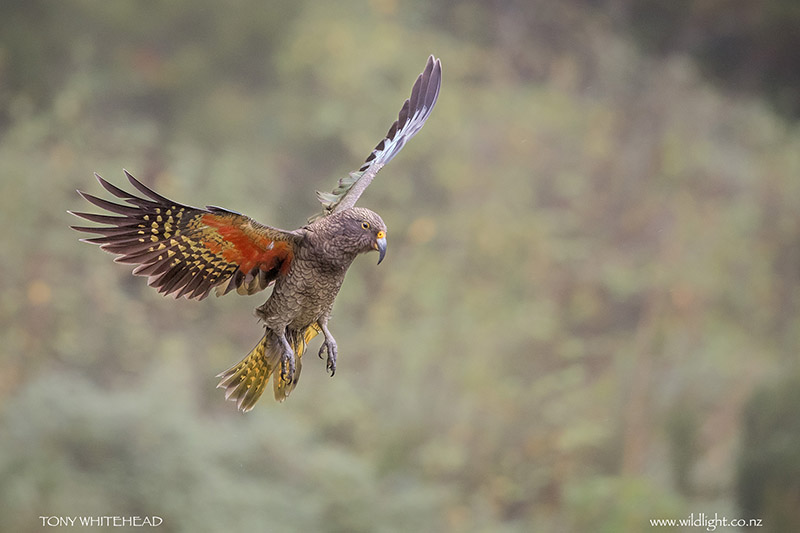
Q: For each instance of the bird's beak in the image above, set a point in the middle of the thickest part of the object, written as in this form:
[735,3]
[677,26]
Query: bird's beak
[380,245]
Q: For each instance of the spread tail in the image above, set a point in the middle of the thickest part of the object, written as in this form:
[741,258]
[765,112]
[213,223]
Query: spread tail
[245,381]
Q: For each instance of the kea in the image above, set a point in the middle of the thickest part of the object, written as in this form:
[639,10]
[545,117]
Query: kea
[188,251]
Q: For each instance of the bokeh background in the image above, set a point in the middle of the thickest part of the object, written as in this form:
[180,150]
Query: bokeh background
[589,315]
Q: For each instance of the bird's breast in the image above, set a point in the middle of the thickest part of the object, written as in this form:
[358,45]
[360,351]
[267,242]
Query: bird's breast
[303,295]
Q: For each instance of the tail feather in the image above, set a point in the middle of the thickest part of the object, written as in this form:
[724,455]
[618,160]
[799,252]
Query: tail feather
[245,382]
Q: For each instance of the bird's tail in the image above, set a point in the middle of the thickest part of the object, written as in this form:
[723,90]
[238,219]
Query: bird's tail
[245,381]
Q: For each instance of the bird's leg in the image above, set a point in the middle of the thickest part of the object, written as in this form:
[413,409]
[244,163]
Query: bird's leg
[287,358]
[328,344]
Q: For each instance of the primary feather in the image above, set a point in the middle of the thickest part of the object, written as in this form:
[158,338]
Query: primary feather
[413,114]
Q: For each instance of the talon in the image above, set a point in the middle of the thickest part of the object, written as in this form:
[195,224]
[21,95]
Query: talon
[331,362]
[328,344]
[287,368]
[287,360]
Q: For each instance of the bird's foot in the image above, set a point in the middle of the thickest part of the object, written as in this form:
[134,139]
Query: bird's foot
[287,367]
[329,345]
[287,361]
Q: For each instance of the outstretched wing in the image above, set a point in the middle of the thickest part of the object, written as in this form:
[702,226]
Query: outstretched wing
[186,251]
[413,114]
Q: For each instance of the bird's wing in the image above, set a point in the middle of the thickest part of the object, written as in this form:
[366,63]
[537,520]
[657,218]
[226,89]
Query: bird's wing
[187,251]
[413,114]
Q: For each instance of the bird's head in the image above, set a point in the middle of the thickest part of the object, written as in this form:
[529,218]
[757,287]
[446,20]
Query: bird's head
[359,230]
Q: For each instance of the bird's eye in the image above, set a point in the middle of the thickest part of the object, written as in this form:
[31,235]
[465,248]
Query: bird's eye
[365,225]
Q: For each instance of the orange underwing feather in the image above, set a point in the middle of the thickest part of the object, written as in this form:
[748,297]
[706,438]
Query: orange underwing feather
[248,249]
[187,251]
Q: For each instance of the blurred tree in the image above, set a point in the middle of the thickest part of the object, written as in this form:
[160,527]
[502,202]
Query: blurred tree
[682,434]
[768,469]
[750,47]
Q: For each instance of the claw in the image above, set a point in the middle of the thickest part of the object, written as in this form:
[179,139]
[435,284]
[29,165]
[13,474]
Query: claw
[287,368]
[287,360]
[330,348]
[330,364]
[329,345]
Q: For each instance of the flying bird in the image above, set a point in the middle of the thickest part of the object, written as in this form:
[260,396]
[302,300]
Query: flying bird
[188,251]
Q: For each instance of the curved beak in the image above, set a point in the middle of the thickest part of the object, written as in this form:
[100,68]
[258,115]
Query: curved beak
[380,245]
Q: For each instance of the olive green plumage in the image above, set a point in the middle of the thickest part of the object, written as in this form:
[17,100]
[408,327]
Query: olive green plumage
[188,251]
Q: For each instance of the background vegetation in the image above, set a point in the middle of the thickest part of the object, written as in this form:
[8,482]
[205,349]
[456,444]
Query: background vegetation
[594,265]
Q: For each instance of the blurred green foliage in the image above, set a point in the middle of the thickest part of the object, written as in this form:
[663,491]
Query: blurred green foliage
[748,47]
[768,470]
[593,262]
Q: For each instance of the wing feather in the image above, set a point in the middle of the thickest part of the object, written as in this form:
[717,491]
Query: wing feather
[413,114]
[184,250]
